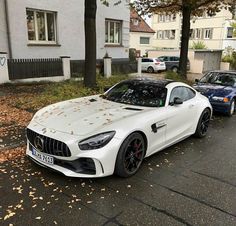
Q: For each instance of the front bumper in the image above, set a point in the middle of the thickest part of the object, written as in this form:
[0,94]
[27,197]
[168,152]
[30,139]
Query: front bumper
[88,164]
[220,106]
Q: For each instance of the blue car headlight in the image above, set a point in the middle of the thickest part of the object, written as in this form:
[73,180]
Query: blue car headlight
[97,141]
[221,99]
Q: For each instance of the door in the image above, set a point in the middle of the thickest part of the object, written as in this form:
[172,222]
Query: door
[181,118]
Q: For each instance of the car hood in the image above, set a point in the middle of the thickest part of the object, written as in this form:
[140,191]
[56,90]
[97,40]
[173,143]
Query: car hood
[213,89]
[84,116]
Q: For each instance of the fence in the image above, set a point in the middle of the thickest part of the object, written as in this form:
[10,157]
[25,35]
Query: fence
[118,67]
[34,68]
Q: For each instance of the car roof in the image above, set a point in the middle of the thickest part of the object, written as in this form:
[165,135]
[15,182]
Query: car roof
[159,82]
[223,71]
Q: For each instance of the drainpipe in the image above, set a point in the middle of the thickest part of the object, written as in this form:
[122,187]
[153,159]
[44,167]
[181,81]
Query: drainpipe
[8,30]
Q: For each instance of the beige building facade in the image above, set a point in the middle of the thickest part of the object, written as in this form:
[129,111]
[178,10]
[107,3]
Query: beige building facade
[215,32]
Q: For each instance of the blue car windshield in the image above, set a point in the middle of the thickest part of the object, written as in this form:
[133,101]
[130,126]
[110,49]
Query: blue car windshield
[136,93]
[220,78]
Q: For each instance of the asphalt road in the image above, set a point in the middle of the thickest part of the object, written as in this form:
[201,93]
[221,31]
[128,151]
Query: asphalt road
[191,183]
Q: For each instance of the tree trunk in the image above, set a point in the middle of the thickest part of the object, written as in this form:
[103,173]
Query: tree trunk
[90,42]
[186,12]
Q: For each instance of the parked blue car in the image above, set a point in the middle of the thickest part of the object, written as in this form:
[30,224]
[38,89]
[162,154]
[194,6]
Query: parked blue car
[220,88]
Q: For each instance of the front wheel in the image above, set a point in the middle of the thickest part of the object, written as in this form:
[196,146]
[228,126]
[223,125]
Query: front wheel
[203,123]
[231,108]
[130,155]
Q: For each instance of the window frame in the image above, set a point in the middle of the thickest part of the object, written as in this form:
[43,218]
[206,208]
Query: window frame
[107,20]
[208,32]
[45,12]
[184,100]
[143,37]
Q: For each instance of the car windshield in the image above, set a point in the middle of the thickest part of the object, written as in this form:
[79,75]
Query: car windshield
[224,79]
[137,93]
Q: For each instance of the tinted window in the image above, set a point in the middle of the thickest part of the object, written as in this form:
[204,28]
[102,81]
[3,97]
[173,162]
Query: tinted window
[138,93]
[183,93]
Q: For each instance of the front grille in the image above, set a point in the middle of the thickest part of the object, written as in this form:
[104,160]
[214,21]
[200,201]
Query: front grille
[49,145]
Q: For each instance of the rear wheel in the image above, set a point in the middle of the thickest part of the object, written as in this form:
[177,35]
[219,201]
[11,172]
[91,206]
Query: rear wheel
[130,155]
[150,70]
[231,108]
[203,123]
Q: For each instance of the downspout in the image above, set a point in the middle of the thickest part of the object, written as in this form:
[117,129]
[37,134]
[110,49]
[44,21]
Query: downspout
[8,29]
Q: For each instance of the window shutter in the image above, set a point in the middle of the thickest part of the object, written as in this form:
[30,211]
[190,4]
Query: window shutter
[211,33]
[202,33]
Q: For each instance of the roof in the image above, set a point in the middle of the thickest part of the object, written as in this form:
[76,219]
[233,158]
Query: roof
[142,26]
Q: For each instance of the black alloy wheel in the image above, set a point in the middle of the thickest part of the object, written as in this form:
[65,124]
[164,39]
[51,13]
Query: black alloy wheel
[130,155]
[203,123]
[150,70]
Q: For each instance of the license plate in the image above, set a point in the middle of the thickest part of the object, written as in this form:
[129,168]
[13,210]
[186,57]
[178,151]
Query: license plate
[42,157]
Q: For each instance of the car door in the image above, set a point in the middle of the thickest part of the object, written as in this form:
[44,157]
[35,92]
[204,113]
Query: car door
[180,118]
[167,62]
[144,64]
[174,61]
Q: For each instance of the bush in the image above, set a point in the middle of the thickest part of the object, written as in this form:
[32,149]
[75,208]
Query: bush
[176,77]
[199,45]
[230,57]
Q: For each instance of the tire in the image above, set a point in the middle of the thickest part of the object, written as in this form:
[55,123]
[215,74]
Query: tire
[231,108]
[150,70]
[174,69]
[130,155]
[203,124]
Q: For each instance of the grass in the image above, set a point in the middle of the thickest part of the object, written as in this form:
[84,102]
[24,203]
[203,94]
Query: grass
[55,92]
[176,77]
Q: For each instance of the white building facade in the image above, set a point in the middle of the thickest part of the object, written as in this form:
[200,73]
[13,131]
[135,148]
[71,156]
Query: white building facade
[215,32]
[50,29]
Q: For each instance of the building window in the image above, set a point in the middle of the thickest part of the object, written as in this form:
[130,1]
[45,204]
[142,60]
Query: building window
[161,18]
[230,32]
[197,33]
[113,32]
[172,34]
[145,40]
[159,34]
[166,34]
[208,33]
[41,26]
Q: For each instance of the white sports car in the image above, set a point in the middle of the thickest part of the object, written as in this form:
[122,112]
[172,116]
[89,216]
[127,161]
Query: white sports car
[100,135]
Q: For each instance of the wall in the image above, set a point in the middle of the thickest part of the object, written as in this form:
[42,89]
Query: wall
[70,29]
[218,23]
[160,26]
[3,29]
[135,41]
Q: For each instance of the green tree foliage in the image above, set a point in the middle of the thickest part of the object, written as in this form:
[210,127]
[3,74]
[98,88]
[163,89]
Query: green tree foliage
[187,8]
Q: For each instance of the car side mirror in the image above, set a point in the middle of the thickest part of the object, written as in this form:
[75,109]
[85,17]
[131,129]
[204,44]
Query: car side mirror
[177,101]
[197,80]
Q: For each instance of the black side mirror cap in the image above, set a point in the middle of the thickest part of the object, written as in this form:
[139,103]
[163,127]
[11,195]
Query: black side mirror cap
[177,101]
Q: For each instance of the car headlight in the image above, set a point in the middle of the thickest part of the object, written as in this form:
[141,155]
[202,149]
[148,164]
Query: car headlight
[221,99]
[97,141]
